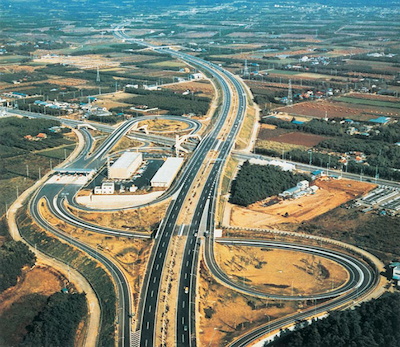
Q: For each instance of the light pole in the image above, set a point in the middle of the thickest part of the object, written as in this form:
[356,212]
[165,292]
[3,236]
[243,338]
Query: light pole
[212,337]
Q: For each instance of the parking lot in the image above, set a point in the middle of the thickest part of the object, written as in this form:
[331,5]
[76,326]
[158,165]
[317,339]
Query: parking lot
[383,197]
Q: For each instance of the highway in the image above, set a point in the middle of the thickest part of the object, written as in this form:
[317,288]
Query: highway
[233,93]
[362,277]
[151,287]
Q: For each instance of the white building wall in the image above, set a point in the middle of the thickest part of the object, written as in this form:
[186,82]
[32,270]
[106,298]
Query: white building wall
[167,172]
[125,166]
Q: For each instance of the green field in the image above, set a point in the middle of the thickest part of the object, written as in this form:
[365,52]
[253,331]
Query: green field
[61,152]
[377,103]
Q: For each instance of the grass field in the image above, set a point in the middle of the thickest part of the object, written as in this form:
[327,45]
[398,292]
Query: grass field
[369,102]
[58,153]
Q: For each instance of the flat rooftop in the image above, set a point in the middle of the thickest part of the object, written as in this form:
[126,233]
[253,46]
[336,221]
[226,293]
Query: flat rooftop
[168,170]
[126,159]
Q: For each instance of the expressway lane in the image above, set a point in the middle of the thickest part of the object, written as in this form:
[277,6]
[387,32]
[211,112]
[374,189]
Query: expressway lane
[185,327]
[151,287]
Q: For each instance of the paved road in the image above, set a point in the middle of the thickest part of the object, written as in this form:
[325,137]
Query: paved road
[157,261]
[52,193]
[362,277]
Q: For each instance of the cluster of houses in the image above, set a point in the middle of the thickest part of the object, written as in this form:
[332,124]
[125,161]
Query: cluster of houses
[302,188]
[87,108]
[38,137]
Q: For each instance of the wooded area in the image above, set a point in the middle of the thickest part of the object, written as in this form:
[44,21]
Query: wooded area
[373,323]
[175,104]
[256,182]
[14,255]
[56,325]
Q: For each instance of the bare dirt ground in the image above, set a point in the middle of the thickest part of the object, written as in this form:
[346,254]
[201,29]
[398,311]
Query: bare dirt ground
[204,88]
[320,109]
[141,219]
[39,280]
[164,125]
[332,193]
[225,314]
[83,61]
[282,272]
[298,138]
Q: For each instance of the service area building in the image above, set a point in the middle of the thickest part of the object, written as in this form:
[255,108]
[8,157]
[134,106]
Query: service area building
[125,166]
[105,188]
[167,172]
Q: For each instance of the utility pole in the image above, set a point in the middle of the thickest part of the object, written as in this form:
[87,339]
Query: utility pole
[246,69]
[290,94]
[98,76]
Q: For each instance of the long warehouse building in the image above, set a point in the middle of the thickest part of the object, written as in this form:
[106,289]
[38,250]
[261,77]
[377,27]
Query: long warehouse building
[167,172]
[125,166]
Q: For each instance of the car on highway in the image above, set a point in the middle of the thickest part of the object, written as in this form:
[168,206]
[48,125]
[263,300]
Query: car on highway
[186,290]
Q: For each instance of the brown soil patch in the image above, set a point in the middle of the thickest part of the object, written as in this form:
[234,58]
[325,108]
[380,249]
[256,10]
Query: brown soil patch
[90,61]
[270,132]
[280,271]
[338,109]
[124,143]
[164,125]
[268,126]
[225,314]
[130,254]
[140,219]
[332,193]
[298,138]
[203,88]
[39,280]
[67,81]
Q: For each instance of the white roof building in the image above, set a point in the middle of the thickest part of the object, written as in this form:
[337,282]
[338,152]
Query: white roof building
[125,166]
[106,188]
[283,165]
[167,172]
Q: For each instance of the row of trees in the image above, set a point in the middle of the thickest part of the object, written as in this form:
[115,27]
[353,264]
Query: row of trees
[56,325]
[256,182]
[14,255]
[373,323]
